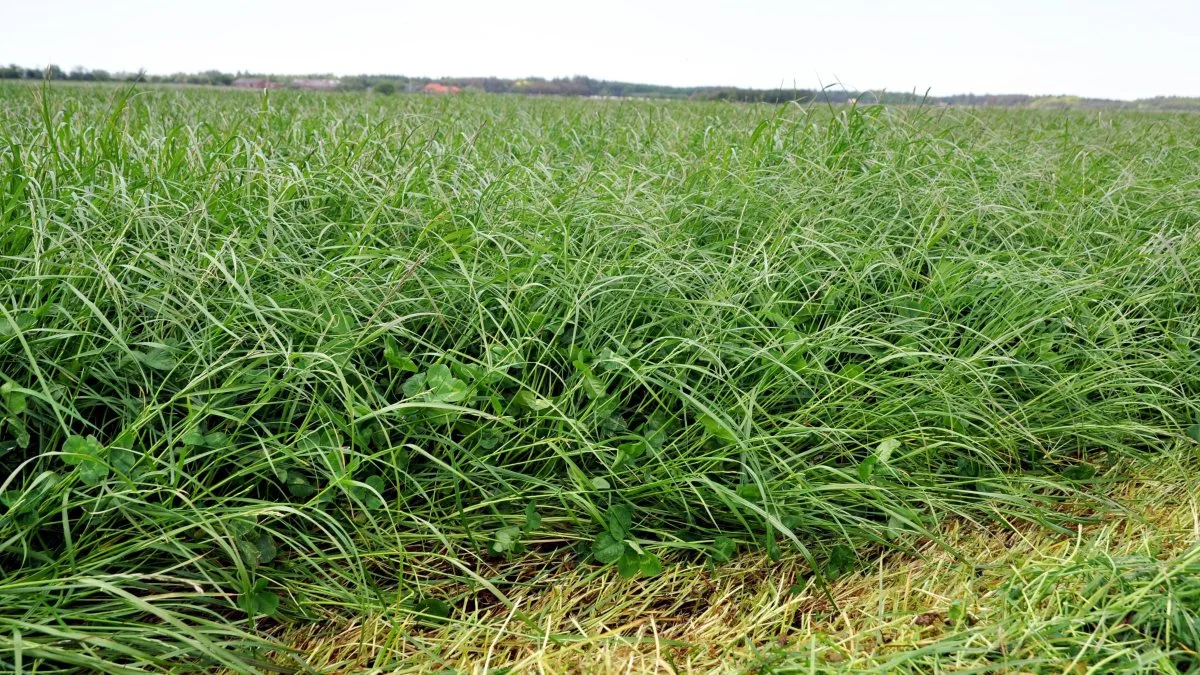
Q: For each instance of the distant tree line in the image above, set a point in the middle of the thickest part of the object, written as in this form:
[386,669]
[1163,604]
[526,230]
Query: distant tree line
[15,72]
[79,74]
[586,86]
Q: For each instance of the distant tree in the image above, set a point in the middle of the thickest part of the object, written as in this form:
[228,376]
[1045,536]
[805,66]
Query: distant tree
[217,77]
[385,88]
[12,72]
[495,85]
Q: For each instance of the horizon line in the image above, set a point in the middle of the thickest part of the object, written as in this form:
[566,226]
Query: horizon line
[382,75]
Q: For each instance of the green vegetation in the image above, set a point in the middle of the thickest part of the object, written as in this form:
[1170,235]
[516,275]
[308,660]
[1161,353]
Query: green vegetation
[274,364]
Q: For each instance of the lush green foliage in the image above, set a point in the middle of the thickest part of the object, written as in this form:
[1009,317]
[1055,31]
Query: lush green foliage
[310,355]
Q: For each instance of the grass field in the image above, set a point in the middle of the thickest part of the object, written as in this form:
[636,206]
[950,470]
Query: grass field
[342,382]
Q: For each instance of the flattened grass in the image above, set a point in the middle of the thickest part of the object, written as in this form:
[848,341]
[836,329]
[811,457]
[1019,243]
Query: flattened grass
[1115,595]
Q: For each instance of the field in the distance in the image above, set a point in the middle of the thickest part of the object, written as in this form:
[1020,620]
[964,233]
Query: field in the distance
[343,382]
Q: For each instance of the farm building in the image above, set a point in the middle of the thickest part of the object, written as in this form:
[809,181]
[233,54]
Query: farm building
[439,88]
[256,83]
[316,84]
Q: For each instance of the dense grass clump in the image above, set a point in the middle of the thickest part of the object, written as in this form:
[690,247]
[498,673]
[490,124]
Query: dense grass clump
[279,359]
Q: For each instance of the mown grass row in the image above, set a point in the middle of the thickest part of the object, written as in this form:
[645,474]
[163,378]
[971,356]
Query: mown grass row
[1117,594]
[275,359]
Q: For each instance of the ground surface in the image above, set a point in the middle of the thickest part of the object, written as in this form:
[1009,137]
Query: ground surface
[480,381]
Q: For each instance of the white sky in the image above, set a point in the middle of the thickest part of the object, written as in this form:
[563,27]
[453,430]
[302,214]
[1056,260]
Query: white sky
[1103,48]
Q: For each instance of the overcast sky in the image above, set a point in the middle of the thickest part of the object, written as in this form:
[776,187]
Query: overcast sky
[1104,48]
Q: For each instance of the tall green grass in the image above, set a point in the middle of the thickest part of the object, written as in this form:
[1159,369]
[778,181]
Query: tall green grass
[276,359]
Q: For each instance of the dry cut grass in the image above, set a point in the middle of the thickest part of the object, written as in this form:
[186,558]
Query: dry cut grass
[981,599]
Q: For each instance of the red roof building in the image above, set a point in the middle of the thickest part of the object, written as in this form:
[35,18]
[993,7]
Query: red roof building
[439,88]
